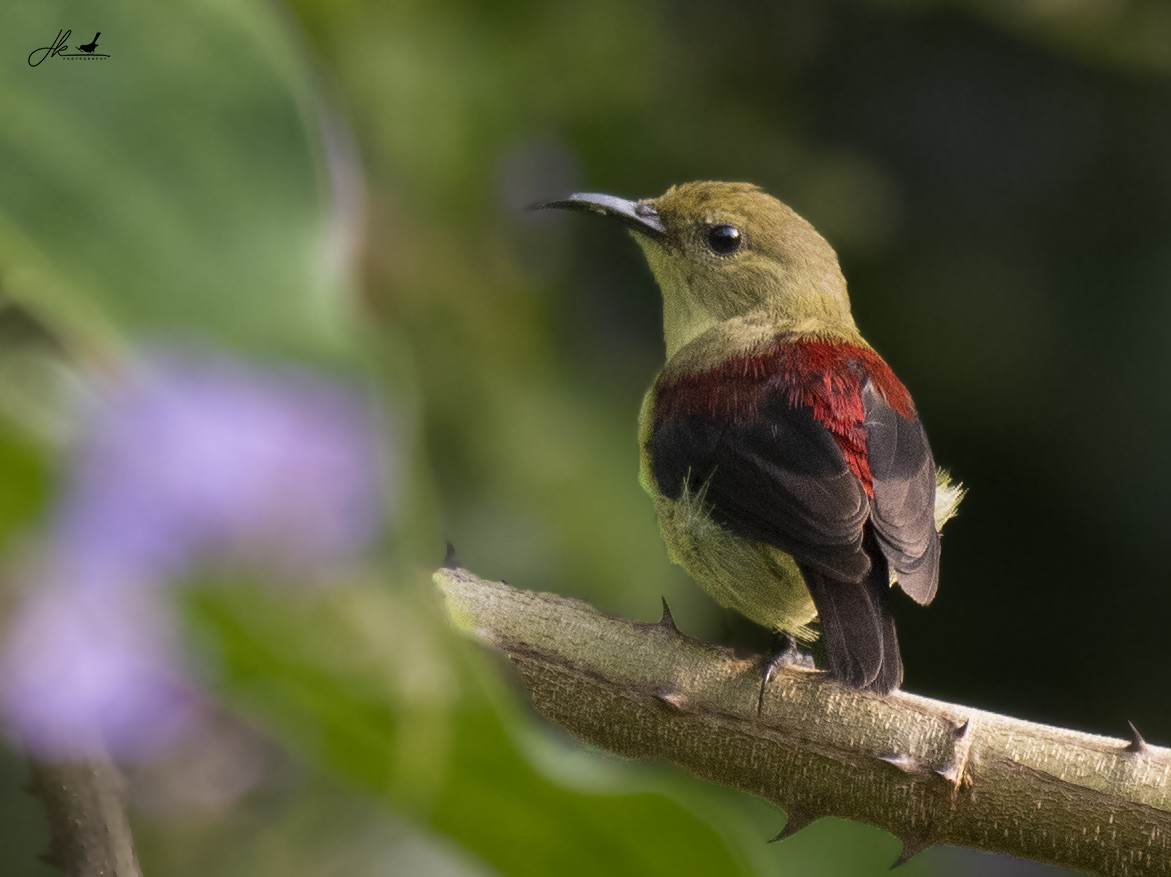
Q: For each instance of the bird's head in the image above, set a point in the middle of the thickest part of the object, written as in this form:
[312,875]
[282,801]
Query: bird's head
[728,251]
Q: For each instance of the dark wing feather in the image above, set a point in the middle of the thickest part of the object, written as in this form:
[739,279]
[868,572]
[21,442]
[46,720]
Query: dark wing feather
[780,479]
[903,508]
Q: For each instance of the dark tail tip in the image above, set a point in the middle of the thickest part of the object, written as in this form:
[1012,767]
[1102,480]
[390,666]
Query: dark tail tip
[890,674]
[858,631]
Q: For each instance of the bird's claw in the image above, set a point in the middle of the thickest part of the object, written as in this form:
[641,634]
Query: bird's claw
[784,653]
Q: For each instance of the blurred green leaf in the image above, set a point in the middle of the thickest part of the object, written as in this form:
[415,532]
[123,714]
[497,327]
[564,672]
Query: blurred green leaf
[25,485]
[176,187]
[383,710]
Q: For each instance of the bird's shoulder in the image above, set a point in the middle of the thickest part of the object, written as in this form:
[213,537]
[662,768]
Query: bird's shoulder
[823,373]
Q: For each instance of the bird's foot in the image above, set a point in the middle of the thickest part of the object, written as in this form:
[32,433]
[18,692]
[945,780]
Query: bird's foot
[783,653]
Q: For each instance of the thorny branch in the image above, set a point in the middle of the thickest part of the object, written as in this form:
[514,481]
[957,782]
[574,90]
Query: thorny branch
[928,772]
[89,833]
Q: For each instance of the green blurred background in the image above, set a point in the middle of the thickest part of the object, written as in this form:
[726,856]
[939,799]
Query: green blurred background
[341,183]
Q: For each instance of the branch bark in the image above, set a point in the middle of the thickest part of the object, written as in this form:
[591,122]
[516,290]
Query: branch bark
[927,771]
[89,833]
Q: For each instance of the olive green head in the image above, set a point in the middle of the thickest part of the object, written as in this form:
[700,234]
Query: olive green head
[728,251]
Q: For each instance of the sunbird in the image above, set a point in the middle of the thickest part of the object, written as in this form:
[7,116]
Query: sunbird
[790,474]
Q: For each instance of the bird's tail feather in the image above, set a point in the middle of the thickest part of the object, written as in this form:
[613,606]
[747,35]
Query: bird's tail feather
[859,632]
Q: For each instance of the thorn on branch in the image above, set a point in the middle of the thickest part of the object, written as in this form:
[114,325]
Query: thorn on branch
[951,773]
[961,730]
[911,848]
[1137,744]
[793,824]
[905,763]
[674,699]
[450,560]
[668,620]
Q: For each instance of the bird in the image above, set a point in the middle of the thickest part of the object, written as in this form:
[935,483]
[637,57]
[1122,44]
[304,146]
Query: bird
[89,47]
[789,470]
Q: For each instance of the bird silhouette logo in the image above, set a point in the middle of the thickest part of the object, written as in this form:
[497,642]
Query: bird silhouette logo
[59,49]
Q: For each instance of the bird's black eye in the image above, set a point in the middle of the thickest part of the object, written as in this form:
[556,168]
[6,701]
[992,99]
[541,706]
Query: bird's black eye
[724,239]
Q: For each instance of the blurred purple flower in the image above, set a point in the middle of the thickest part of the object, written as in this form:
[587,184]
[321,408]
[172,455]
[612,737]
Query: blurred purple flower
[86,669]
[213,457]
[195,461]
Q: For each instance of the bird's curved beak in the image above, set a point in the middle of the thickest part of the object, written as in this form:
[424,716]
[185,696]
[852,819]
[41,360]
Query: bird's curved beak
[639,216]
